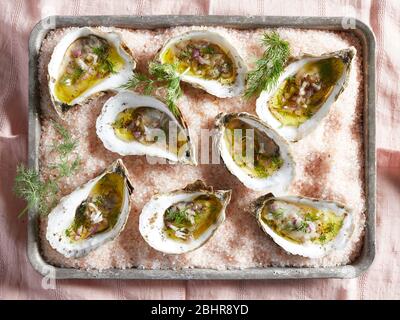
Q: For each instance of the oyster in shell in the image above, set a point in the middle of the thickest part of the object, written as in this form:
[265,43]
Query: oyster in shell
[92,215]
[305,92]
[254,153]
[85,62]
[208,61]
[131,124]
[183,220]
[303,226]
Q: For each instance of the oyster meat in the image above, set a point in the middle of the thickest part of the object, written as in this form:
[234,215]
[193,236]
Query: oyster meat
[92,214]
[304,226]
[183,220]
[305,92]
[253,152]
[131,124]
[206,60]
[85,62]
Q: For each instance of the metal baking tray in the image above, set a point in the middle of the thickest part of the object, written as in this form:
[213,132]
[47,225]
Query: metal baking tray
[361,30]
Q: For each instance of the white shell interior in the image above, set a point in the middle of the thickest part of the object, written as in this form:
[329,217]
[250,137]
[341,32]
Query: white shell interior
[62,216]
[128,99]
[279,181]
[293,133]
[151,222]
[113,82]
[214,87]
[312,250]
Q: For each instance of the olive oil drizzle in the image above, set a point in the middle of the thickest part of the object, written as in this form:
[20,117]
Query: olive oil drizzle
[85,65]
[302,95]
[186,221]
[200,58]
[100,211]
[301,229]
[143,124]
[265,157]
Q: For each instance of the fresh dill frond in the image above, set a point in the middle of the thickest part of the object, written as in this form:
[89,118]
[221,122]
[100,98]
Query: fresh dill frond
[207,50]
[75,164]
[100,51]
[77,73]
[277,214]
[163,71]
[109,66]
[163,75]
[65,147]
[185,54]
[139,80]
[30,187]
[66,168]
[270,66]
[106,65]
[61,131]
[174,92]
[178,216]
[148,89]
[67,144]
[302,227]
[41,195]
[168,74]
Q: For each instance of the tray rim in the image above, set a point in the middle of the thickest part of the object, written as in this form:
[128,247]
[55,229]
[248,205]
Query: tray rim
[362,30]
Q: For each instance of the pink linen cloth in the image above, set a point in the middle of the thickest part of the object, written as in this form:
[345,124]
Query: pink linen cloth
[18,280]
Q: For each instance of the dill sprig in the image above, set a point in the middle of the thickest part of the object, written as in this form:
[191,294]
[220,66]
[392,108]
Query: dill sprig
[277,214]
[109,66]
[30,187]
[163,72]
[167,73]
[41,194]
[270,66]
[100,51]
[68,144]
[302,226]
[103,54]
[161,75]
[139,80]
[178,216]
[66,168]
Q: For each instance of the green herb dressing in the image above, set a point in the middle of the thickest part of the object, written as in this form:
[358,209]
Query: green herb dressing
[143,124]
[186,221]
[200,58]
[302,95]
[104,202]
[263,157]
[87,62]
[300,223]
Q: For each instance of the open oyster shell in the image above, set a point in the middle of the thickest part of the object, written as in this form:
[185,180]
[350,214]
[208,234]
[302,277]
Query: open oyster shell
[304,226]
[208,61]
[183,220]
[132,124]
[92,215]
[85,62]
[254,152]
[304,93]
